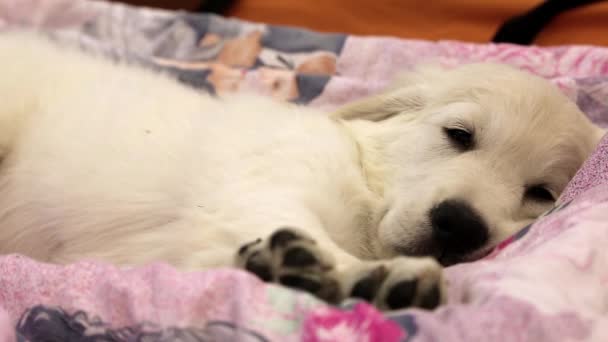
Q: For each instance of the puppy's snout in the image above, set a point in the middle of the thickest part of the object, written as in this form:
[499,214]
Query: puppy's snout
[457,228]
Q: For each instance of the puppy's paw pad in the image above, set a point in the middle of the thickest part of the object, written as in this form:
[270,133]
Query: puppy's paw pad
[401,294]
[399,283]
[307,283]
[299,256]
[291,258]
[266,251]
[254,258]
[293,249]
[259,265]
[368,286]
[283,237]
[414,282]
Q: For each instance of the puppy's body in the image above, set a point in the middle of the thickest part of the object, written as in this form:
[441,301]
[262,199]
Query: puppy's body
[129,166]
[118,163]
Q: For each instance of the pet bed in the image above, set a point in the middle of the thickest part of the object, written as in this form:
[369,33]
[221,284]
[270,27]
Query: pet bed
[549,282]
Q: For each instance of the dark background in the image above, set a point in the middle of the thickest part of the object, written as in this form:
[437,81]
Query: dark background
[467,20]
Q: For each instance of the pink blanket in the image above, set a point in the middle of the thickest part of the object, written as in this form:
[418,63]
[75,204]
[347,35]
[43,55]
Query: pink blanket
[547,283]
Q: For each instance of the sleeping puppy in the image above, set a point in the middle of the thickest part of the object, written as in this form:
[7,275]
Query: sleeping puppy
[118,163]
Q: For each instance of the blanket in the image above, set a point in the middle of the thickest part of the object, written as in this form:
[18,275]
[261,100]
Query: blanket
[549,282]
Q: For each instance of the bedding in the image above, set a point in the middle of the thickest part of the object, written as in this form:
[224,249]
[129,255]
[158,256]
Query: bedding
[549,282]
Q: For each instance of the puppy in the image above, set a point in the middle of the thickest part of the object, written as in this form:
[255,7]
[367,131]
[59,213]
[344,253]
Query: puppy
[114,162]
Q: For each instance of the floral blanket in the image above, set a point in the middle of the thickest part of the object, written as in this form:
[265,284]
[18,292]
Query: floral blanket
[547,283]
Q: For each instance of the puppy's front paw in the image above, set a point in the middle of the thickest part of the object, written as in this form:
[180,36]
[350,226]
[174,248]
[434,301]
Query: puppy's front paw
[291,258]
[399,283]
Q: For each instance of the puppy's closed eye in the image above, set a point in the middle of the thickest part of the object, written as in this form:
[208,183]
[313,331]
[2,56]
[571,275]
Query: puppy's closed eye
[538,193]
[460,137]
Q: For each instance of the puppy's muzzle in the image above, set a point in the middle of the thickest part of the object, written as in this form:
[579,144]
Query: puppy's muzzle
[458,230]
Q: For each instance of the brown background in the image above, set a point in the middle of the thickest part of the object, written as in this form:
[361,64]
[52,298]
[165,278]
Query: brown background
[467,20]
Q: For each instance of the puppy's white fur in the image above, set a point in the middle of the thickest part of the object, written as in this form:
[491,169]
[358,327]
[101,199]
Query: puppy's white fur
[115,162]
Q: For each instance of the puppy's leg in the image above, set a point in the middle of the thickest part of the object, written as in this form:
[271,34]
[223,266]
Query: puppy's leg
[291,258]
[31,67]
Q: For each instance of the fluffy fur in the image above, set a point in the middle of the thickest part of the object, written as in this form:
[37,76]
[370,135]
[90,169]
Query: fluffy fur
[110,161]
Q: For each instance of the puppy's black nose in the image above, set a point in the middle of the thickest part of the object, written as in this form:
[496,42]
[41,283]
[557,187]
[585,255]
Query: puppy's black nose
[457,228]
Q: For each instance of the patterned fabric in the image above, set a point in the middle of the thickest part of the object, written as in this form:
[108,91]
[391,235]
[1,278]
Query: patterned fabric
[549,282]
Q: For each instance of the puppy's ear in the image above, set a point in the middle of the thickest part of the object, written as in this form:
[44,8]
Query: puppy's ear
[384,105]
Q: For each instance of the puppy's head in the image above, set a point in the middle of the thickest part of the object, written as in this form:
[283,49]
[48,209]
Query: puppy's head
[463,158]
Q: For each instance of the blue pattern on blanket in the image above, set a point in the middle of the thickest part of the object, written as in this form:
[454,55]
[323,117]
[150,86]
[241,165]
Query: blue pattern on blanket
[43,324]
[221,55]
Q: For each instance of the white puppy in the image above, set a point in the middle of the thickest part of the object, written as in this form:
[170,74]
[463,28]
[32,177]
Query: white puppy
[126,165]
